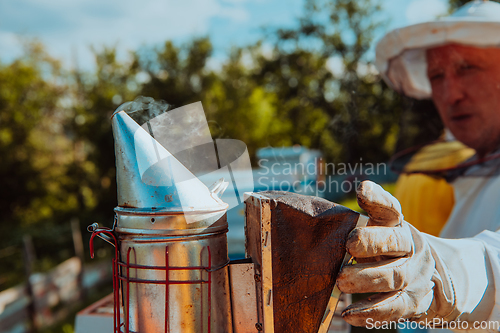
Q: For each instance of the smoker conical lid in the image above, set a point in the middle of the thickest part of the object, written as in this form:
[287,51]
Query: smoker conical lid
[150,177]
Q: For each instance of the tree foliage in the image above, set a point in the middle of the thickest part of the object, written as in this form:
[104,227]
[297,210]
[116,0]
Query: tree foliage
[34,151]
[457,3]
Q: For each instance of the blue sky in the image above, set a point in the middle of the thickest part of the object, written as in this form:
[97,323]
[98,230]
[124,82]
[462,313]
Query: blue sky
[69,28]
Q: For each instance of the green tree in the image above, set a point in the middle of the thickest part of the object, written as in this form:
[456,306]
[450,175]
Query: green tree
[292,95]
[235,105]
[177,74]
[347,111]
[454,4]
[34,152]
[95,95]
[243,108]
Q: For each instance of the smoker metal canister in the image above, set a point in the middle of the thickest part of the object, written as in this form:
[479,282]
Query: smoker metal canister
[170,228]
[149,234]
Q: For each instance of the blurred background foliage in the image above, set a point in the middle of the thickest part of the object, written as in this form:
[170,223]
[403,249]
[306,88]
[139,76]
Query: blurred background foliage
[313,85]
[454,4]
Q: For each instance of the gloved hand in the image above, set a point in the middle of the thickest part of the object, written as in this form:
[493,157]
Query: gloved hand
[410,270]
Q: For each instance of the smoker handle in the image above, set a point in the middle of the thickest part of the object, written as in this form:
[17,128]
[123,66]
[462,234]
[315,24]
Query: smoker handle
[94,228]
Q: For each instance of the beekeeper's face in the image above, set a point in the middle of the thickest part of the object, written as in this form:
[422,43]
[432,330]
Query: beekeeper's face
[465,84]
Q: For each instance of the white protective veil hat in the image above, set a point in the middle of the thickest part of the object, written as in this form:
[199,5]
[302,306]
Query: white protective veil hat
[401,54]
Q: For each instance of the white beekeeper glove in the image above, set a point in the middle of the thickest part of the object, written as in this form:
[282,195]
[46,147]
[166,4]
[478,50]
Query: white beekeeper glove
[418,276]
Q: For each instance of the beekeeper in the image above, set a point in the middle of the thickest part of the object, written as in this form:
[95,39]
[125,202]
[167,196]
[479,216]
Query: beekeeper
[453,281]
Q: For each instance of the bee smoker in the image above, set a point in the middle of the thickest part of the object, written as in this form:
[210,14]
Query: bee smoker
[169,270]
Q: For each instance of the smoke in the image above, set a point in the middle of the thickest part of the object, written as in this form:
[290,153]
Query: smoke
[143,109]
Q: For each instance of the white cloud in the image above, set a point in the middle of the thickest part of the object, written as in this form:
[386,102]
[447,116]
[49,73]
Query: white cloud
[425,10]
[68,27]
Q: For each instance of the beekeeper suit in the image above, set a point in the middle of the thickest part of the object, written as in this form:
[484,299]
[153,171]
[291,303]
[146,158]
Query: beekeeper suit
[453,281]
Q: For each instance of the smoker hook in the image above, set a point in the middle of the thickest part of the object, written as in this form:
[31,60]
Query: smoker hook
[102,232]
